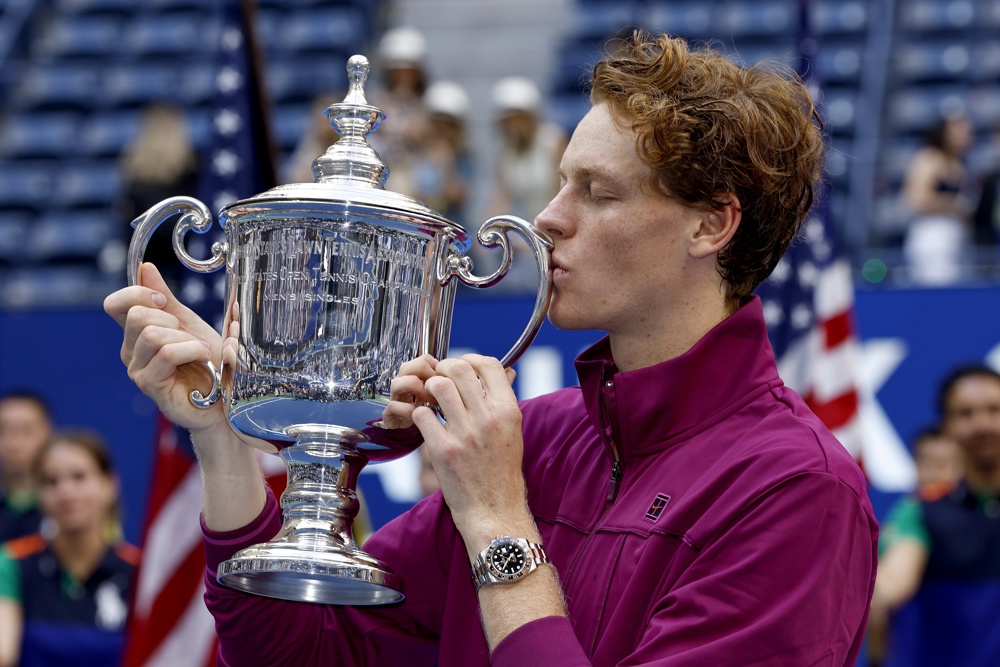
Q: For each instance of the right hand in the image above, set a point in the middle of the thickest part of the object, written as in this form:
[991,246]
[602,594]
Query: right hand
[407,392]
[165,347]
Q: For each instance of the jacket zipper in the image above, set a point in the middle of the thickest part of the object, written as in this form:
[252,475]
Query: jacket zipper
[609,441]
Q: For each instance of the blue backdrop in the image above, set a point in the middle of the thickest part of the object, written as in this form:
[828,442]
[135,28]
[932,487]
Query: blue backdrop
[72,356]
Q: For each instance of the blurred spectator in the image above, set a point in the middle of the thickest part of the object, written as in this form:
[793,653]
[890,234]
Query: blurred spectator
[528,151]
[941,548]
[64,592]
[938,460]
[25,426]
[318,137]
[986,217]
[935,191]
[401,55]
[442,167]
[526,171]
[160,162]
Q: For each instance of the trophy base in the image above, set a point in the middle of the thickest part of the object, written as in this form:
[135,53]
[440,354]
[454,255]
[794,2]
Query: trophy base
[328,574]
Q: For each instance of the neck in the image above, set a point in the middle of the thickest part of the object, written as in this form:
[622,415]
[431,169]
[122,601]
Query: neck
[662,339]
[983,479]
[80,552]
[18,484]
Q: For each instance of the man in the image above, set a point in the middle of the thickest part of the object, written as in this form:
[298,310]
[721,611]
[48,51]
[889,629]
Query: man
[681,506]
[942,550]
[25,426]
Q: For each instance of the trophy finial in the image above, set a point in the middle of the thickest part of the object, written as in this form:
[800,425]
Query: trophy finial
[357,73]
[352,159]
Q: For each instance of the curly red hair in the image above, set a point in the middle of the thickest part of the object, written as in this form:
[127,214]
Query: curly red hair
[711,129]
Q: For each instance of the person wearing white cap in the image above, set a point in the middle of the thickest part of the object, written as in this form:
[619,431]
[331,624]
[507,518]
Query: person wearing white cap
[442,169]
[529,149]
[401,63]
[527,160]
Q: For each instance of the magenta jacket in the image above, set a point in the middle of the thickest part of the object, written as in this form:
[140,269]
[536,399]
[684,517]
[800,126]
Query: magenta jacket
[735,530]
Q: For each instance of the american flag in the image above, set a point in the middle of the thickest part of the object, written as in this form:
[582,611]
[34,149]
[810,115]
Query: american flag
[169,624]
[809,306]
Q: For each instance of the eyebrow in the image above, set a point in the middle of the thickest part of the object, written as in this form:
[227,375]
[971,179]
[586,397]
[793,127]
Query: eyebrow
[593,173]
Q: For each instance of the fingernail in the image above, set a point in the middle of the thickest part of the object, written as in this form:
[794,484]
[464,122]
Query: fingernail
[159,299]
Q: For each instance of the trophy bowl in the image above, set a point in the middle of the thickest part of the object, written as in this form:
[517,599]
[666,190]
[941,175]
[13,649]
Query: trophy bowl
[330,287]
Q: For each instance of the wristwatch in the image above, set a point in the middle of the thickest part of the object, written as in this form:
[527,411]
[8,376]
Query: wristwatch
[507,559]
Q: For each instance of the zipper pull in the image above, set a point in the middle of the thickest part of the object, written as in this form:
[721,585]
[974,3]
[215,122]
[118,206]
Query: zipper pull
[616,475]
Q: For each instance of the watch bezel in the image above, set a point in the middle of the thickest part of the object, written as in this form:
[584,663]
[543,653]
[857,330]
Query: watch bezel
[521,544]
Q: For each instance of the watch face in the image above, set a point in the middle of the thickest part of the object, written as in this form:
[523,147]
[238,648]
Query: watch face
[507,560]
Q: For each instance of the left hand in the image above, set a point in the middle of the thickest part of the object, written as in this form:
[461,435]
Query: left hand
[477,452]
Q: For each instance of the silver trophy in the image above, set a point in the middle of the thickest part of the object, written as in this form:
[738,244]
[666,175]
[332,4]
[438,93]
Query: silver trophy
[330,287]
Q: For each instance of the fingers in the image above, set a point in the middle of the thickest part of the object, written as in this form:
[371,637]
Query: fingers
[152,340]
[118,304]
[138,319]
[406,391]
[477,377]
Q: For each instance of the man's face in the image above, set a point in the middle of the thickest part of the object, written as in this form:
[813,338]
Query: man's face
[619,247]
[23,430]
[972,418]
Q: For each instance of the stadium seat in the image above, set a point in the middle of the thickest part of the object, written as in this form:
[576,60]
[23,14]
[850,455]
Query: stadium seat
[38,135]
[86,183]
[931,60]
[567,109]
[574,62]
[839,62]
[73,37]
[57,86]
[95,7]
[599,21]
[836,17]
[13,231]
[759,18]
[690,20]
[46,286]
[915,108]
[924,16]
[984,105]
[171,35]
[105,134]
[128,84]
[70,236]
[290,122]
[985,65]
[26,186]
[297,80]
[840,107]
[341,29]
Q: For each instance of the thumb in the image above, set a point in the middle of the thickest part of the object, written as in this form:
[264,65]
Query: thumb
[511,374]
[149,276]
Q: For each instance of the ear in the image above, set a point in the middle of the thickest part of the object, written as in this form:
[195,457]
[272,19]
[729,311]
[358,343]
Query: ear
[716,229]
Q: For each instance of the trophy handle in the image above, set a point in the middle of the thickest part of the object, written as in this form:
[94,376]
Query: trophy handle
[493,233]
[197,217]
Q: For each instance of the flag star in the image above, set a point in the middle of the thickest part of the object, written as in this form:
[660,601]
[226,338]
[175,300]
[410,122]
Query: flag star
[223,199]
[801,317]
[228,80]
[232,39]
[227,122]
[774,314]
[822,250]
[225,163]
[193,291]
[780,273]
[808,274]
[814,230]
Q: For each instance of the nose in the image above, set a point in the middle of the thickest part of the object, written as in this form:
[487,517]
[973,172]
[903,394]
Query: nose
[555,220]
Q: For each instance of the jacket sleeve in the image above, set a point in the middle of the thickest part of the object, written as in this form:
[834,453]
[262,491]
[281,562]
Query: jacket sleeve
[786,584]
[257,631]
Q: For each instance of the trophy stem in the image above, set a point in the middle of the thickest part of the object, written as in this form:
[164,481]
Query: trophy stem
[315,556]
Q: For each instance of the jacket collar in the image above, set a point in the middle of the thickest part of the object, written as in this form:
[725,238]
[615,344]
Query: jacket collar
[672,401]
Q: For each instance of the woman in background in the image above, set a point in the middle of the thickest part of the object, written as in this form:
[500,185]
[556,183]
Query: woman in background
[64,592]
[934,189]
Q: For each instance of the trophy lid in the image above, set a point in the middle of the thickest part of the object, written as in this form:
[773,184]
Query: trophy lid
[351,173]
